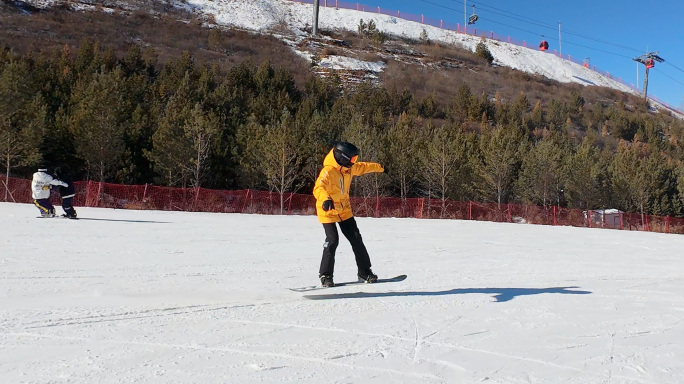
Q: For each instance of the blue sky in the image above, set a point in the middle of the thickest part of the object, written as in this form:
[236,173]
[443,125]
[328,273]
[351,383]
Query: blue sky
[611,33]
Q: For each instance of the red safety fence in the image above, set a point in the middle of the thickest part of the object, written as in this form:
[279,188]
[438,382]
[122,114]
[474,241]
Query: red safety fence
[151,197]
[457,27]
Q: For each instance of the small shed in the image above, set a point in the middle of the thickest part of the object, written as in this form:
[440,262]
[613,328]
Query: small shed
[604,218]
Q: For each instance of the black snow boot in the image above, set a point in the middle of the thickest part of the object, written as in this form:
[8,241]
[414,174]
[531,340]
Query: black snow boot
[327,281]
[368,276]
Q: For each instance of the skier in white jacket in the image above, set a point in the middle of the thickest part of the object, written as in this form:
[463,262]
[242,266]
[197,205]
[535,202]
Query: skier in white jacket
[40,185]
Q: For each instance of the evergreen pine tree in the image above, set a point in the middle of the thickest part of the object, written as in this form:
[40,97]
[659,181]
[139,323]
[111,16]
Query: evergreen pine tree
[542,173]
[497,162]
[444,170]
[99,119]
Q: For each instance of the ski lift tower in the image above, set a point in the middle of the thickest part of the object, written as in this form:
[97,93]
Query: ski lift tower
[648,60]
[315,18]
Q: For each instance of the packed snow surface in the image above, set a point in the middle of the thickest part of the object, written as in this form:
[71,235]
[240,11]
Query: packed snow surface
[342,62]
[171,297]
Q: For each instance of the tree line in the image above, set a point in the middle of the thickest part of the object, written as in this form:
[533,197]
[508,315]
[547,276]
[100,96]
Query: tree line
[131,119]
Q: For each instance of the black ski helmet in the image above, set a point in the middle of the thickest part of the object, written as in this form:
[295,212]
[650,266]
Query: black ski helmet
[345,153]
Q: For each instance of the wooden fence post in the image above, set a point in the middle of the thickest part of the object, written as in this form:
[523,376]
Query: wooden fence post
[99,193]
[510,219]
[245,204]
[620,216]
[667,224]
[377,206]
[87,196]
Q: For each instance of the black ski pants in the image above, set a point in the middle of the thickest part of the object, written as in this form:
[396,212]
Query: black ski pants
[332,239]
[68,206]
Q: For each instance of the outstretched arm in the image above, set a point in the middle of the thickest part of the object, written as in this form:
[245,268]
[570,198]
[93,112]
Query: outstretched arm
[362,168]
[58,182]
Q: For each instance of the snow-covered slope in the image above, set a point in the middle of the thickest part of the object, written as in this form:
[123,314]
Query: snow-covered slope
[179,297]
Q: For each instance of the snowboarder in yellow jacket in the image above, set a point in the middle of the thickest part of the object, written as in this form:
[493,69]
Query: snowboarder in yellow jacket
[333,206]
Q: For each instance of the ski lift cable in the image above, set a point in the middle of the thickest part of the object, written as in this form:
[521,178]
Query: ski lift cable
[535,22]
[569,32]
[675,67]
[668,76]
[564,41]
[541,24]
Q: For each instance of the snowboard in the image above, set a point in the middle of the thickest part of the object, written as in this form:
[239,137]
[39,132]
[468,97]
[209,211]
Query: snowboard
[348,283]
[57,217]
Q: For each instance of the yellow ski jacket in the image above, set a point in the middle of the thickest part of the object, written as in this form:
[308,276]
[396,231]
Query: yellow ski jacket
[334,182]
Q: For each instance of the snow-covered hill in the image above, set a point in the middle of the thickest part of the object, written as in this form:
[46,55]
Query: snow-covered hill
[267,16]
[263,15]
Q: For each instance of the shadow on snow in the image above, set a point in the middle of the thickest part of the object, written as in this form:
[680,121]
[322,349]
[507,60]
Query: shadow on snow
[500,294]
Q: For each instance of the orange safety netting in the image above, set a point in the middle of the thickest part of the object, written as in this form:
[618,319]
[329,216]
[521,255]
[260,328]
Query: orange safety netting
[107,195]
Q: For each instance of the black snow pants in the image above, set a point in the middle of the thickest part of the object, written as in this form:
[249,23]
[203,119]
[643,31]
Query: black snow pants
[68,206]
[332,239]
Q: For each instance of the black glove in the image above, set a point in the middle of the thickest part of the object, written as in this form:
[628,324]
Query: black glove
[384,169]
[328,205]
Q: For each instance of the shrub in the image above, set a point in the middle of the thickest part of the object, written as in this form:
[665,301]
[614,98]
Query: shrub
[483,52]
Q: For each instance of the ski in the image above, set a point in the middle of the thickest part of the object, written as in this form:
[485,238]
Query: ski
[348,283]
